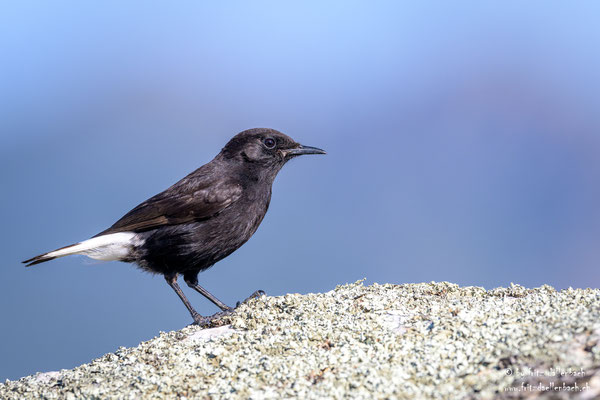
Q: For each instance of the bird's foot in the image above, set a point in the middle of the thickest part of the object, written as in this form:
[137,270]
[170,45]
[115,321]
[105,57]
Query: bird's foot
[211,320]
[202,321]
[254,295]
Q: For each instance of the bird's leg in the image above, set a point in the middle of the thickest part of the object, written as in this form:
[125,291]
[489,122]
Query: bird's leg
[198,319]
[192,282]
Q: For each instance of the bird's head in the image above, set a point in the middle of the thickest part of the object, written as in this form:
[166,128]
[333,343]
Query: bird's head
[264,150]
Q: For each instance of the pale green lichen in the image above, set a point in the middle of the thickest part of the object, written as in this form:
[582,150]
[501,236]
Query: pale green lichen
[430,340]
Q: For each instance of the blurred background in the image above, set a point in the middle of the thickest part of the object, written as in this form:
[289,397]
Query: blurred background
[462,143]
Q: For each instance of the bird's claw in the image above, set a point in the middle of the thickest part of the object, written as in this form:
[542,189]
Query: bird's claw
[209,321]
[254,295]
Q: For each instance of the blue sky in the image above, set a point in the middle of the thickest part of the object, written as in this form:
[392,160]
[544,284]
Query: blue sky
[462,145]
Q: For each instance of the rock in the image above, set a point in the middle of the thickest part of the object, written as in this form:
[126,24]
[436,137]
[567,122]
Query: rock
[429,341]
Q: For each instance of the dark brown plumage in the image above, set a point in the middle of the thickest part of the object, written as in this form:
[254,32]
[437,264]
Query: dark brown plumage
[199,220]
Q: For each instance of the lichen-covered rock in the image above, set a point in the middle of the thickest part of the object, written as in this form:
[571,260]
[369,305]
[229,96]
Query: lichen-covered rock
[434,340]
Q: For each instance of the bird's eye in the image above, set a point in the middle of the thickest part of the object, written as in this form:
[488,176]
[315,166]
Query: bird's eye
[269,143]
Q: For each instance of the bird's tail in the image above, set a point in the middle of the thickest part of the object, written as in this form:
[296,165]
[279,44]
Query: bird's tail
[114,246]
[51,255]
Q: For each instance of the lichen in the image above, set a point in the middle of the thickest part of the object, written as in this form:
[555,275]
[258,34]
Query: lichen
[429,340]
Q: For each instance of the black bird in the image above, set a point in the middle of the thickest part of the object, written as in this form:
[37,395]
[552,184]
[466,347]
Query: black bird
[199,220]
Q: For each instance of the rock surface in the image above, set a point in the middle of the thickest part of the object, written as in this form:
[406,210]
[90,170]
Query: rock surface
[434,340]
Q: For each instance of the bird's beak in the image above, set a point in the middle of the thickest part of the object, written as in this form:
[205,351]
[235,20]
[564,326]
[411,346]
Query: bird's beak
[300,150]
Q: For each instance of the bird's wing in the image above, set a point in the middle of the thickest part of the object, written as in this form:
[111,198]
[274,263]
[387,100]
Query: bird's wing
[183,202]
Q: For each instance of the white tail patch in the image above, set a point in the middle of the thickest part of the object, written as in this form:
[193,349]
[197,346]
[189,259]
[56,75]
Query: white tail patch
[114,246]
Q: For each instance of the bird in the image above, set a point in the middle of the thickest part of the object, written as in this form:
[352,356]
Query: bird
[199,220]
